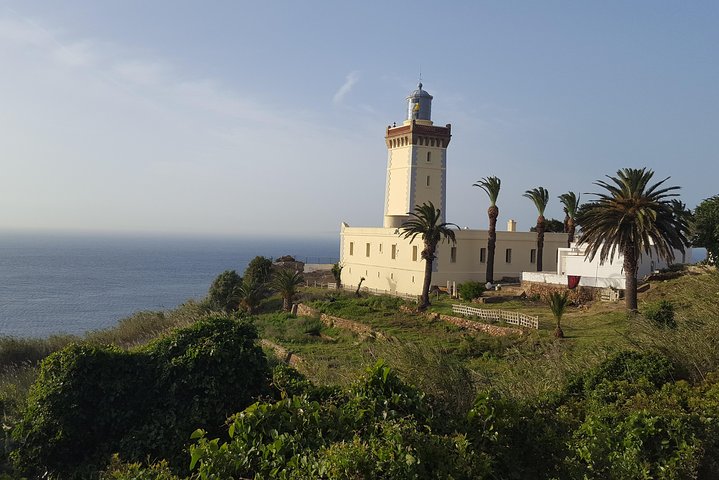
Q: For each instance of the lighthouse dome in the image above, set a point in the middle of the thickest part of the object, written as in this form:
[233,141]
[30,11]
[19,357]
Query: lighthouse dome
[419,105]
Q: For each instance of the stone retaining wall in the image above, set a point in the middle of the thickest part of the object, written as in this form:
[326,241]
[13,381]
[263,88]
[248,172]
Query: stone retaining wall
[306,311]
[492,330]
[283,354]
[579,295]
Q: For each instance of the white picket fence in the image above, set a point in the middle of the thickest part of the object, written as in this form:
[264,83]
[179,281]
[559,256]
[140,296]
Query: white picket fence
[515,318]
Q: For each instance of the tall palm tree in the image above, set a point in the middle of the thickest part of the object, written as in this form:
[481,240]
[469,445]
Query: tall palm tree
[491,186]
[631,218]
[570,200]
[425,222]
[540,197]
[285,282]
[558,305]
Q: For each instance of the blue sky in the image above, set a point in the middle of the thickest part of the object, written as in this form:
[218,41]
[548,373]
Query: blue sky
[266,118]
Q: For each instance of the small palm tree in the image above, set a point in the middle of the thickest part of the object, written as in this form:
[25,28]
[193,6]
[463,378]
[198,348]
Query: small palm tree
[491,186]
[631,218]
[425,222]
[286,282]
[337,274]
[558,303]
[570,200]
[540,197]
[250,294]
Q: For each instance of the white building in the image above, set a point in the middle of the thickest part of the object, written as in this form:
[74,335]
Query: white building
[417,173]
[610,274]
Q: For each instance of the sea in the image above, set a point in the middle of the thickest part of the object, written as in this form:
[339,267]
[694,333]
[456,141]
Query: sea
[55,283]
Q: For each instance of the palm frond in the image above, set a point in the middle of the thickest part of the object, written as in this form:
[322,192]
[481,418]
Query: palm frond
[632,214]
[570,200]
[491,186]
[540,197]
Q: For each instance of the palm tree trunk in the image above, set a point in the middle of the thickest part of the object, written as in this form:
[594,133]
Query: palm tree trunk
[630,278]
[286,305]
[571,228]
[491,242]
[428,255]
[540,242]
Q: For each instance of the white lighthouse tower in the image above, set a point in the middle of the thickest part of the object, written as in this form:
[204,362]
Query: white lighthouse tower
[416,161]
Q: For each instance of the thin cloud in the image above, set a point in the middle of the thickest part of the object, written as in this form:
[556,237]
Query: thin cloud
[350,81]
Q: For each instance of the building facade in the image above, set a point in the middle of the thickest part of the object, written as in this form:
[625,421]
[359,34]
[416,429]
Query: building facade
[416,174]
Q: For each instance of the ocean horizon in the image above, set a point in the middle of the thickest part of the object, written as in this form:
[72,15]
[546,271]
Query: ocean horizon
[65,283]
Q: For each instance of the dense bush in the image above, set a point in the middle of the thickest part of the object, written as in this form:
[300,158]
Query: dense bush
[378,428]
[625,419]
[629,366]
[223,294]
[91,401]
[661,314]
[259,270]
[470,290]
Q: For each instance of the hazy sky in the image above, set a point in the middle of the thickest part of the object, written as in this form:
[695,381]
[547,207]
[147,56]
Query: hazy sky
[263,118]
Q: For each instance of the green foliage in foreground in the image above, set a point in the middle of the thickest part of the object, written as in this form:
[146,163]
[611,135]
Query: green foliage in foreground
[91,401]
[377,428]
[625,419]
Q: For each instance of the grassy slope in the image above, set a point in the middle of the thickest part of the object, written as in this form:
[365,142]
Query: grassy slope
[524,367]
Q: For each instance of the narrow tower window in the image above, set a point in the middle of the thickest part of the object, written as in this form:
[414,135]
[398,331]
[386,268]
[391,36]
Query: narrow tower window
[508,255]
[482,255]
[394,251]
[453,255]
[414,253]
[367,247]
[428,180]
[429,157]
[533,255]
[352,248]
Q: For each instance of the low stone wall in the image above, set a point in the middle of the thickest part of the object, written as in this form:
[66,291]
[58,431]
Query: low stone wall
[492,330]
[303,310]
[283,354]
[579,295]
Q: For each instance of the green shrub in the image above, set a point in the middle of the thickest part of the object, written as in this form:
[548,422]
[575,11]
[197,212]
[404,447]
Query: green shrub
[223,293]
[627,366]
[375,429]
[522,440]
[667,434]
[91,401]
[119,470]
[661,314]
[259,270]
[468,291]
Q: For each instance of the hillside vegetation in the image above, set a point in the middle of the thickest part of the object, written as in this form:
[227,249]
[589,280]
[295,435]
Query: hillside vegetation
[416,397]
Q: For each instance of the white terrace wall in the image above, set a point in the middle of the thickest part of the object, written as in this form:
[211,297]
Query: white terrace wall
[573,261]
[389,262]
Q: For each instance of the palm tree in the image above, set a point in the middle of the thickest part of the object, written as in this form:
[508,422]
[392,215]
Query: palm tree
[425,222]
[570,200]
[285,282]
[632,218]
[558,304]
[250,294]
[540,197]
[491,186]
